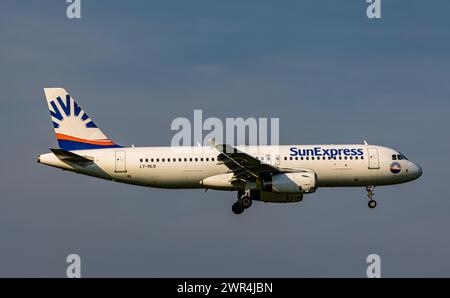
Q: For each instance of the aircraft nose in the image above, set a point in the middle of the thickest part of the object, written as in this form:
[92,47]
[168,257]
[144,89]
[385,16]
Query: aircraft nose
[417,170]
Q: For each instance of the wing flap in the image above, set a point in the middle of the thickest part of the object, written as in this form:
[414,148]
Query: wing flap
[243,165]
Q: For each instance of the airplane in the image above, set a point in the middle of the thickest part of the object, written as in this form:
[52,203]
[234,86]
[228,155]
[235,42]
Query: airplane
[271,173]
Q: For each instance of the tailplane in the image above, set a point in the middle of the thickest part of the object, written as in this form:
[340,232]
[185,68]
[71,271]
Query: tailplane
[74,129]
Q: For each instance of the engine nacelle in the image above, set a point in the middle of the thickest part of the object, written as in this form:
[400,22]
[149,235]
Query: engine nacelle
[291,183]
[220,182]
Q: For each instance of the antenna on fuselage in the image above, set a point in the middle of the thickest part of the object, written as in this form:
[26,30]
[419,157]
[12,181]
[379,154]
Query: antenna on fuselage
[365,142]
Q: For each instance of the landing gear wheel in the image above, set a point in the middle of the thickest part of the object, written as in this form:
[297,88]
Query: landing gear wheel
[237,208]
[245,201]
[370,190]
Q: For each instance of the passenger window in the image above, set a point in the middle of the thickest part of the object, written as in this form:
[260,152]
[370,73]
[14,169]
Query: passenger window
[201,159]
[190,159]
[163,160]
[212,159]
[207,159]
[168,160]
[196,159]
[290,158]
[307,158]
[179,159]
[185,159]
[285,158]
[157,160]
[296,158]
[312,158]
[141,160]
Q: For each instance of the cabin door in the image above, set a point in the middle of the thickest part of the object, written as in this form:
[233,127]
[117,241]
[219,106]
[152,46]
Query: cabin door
[121,162]
[374,162]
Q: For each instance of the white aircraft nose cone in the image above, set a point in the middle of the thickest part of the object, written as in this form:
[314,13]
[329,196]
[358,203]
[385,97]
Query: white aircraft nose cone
[417,170]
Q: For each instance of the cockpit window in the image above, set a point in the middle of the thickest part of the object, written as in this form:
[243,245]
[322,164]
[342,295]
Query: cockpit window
[401,157]
[394,157]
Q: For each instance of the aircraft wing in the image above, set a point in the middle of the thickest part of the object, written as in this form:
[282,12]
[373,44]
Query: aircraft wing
[244,166]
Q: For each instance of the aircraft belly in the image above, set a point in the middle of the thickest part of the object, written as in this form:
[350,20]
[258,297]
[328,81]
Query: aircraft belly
[180,178]
[344,176]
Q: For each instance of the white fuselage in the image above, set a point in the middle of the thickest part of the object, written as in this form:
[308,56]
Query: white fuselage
[187,167]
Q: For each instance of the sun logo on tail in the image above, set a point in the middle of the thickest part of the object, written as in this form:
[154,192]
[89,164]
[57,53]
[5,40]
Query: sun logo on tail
[70,109]
[74,129]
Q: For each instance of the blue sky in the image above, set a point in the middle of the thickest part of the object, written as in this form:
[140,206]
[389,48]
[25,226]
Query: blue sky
[330,74]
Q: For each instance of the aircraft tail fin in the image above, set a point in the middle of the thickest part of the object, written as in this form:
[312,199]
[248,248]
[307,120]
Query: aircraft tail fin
[74,129]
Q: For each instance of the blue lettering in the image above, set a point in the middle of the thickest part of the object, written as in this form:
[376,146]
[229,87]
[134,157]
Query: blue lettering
[334,152]
[317,151]
[293,151]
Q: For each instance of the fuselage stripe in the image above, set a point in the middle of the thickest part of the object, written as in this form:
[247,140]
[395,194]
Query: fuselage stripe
[107,142]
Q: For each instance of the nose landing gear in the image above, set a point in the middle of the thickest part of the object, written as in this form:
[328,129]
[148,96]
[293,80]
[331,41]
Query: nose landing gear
[370,190]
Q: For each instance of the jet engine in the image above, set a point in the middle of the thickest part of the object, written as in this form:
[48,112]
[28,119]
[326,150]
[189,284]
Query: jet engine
[291,183]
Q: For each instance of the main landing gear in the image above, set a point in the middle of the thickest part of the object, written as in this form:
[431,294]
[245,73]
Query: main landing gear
[372,203]
[244,202]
